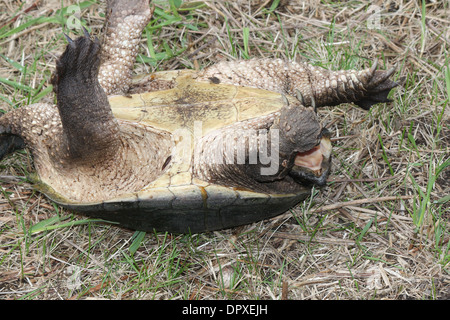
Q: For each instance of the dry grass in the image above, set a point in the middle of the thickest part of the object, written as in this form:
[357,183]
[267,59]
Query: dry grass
[379,230]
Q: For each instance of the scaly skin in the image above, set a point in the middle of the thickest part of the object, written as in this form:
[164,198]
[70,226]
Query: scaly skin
[36,125]
[90,130]
[124,24]
[125,21]
[313,86]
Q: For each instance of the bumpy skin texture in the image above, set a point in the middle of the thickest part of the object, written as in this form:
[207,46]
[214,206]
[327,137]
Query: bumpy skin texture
[125,21]
[313,85]
[79,148]
[36,124]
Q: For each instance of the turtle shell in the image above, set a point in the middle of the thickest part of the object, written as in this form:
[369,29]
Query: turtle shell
[177,201]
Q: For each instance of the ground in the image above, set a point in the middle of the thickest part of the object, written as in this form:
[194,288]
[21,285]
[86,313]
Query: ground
[380,228]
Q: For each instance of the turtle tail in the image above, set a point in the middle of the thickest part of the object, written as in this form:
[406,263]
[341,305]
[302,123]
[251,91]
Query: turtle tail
[10,143]
[31,126]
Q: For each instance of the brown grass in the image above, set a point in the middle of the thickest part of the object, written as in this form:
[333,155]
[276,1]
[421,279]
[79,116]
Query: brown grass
[357,238]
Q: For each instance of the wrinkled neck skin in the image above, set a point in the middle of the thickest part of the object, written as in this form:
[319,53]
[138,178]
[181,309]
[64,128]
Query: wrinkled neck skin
[267,149]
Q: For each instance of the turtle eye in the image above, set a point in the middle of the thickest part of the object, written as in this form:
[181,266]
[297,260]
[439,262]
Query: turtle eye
[300,98]
[325,133]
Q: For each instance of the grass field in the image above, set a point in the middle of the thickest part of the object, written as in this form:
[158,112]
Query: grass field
[380,229]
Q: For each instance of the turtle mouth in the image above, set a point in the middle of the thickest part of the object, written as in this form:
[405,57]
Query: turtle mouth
[313,166]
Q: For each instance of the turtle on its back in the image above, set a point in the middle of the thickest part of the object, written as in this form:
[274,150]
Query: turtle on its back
[181,151]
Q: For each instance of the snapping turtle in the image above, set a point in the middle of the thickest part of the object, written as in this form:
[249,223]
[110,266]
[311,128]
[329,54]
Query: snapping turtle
[181,151]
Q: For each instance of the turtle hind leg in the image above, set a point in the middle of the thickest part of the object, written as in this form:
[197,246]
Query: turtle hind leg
[10,143]
[90,130]
[125,21]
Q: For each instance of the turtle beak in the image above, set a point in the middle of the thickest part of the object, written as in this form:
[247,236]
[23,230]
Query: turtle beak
[313,166]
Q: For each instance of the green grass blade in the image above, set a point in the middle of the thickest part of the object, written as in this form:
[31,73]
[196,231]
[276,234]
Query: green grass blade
[137,237]
[447,81]
[17,85]
[46,226]
[13,63]
[365,229]
[245,36]
[385,157]
[41,94]
[30,23]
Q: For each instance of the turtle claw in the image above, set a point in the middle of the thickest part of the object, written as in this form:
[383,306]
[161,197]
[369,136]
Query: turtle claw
[86,33]
[81,59]
[300,97]
[378,77]
[69,40]
[313,104]
[378,87]
[285,100]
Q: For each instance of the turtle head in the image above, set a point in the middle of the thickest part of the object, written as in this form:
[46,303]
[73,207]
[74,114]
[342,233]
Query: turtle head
[305,146]
[312,167]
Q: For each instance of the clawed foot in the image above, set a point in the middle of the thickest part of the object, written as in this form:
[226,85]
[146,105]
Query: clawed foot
[364,88]
[88,123]
[377,86]
[79,62]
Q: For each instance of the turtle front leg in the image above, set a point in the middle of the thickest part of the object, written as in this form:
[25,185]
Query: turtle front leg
[364,88]
[313,86]
[125,21]
[82,127]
